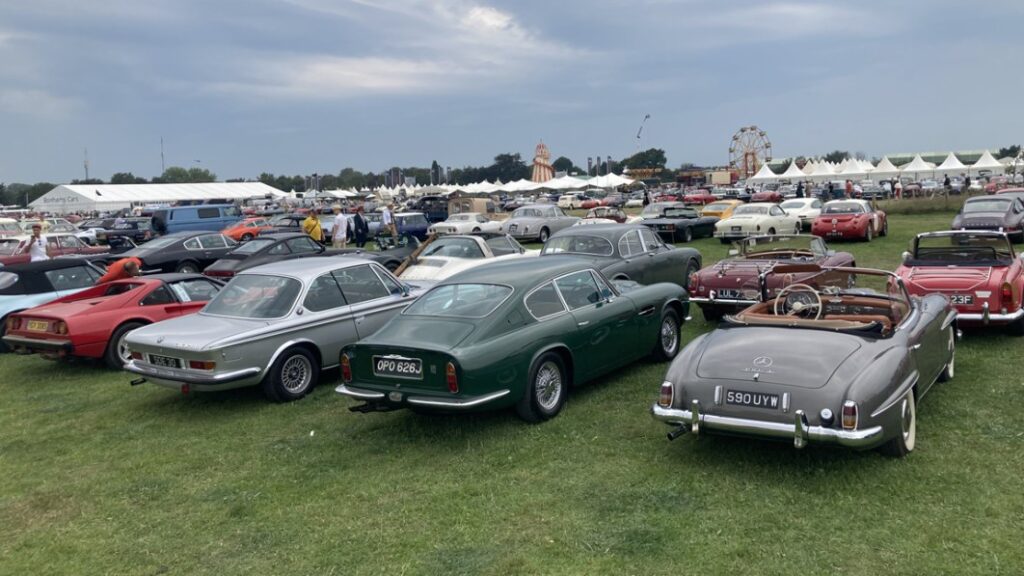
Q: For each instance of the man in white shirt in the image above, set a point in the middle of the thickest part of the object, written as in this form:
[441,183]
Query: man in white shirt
[37,247]
[339,231]
[387,221]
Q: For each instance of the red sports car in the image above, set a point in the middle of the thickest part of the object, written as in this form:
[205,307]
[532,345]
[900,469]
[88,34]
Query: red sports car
[590,203]
[766,196]
[976,269]
[850,220]
[732,284]
[247,229]
[702,197]
[93,323]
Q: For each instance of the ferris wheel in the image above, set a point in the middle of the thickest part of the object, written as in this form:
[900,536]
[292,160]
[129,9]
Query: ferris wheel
[749,149]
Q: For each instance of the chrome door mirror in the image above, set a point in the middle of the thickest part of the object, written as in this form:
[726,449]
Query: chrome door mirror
[906,256]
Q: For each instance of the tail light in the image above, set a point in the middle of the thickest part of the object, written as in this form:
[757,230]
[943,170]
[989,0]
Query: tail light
[665,396]
[13,323]
[1006,294]
[346,369]
[694,283]
[61,327]
[201,364]
[452,378]
[136,355]
[849,415]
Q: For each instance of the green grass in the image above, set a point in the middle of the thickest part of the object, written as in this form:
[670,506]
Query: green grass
[100,478]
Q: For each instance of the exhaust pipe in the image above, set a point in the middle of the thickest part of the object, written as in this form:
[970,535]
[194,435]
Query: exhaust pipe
[677,432]
[138,381]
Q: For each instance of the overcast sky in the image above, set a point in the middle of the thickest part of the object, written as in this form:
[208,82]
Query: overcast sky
[302,86]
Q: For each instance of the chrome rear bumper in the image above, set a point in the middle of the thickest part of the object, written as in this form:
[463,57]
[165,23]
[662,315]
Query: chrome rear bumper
[426,401]
[986,317]
[722,301]
[800,431]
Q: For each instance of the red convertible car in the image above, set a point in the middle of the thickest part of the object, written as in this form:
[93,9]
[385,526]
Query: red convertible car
[767,196]
[93,323]
[850,220]
[702,197]
[733,284]
[976,269]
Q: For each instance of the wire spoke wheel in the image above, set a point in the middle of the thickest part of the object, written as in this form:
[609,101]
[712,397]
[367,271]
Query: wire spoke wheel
[548,385]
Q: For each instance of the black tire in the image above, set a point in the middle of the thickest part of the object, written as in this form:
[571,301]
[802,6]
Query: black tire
[712,314]
[544,397]
[544,235]
[246,237]
[687,234]
[949,370]
[293,375]
[112,356]
[906,439]
[3,330]
[771,231]
[475,230]
[667,345]
[188,267]
[691,267]
[392,265]
[885,228]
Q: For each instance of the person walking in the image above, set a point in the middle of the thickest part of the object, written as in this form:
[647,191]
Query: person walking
[387,221]
[123,268]
[898,190]
[647,199]
[831,190]
[947,184]
[967,184]
[800,189]
[339,231]
[311,226]
[849,189]
[361,228]
[37,247]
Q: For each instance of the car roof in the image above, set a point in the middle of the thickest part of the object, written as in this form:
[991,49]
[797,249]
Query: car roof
[307,267]
[520,273]
[606,231]
[537,205]
[190,234]
[45,265]
[282,235]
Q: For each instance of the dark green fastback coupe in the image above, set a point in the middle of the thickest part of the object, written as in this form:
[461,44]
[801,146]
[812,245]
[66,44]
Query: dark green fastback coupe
[516,333]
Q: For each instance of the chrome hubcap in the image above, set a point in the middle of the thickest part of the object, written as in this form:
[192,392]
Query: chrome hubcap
[908,424]
[669,335]
[122,349]
[548,385]
[296,373]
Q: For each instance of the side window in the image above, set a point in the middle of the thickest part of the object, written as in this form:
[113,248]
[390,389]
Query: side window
[390,283]
[578,289]
[303,245]
[602,286]
[195,290]
[71,278]
[192,244]
[212,241]
[157,297]
[650,240]
[816,204]
[501,246]
[360,284]
[775,211]
[69,242]
[279,249]
[629,245]
[209,212]
[544,301]
[323,294]
[53,241]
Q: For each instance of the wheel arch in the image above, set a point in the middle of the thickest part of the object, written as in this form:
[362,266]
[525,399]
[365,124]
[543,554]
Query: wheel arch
[564,353]
[305,343]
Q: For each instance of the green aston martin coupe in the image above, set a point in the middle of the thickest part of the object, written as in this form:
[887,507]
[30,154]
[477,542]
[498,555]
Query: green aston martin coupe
[514,333]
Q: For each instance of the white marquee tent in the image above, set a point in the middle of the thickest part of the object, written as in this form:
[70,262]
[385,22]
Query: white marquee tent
[793,173]
[822,172]
[916,167]
[764,175]
[989,163]
[68,198]
[951,165]
[885,169]
[609,181]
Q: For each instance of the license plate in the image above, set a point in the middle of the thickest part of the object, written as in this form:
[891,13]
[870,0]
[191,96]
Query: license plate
[737,228]
[164,361]
[731,294]
[398,367]
[961,299]
[38,325]
[752,399]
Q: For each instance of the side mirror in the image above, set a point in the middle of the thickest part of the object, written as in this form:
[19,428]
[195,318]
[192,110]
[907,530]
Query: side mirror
[906,256]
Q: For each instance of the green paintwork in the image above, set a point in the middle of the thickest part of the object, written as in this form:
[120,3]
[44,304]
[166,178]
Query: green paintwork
[497,352]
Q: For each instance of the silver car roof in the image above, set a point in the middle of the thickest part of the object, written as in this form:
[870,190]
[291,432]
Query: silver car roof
[307,267]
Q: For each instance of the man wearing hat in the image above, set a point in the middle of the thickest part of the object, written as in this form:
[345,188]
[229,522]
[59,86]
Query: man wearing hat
[37,247]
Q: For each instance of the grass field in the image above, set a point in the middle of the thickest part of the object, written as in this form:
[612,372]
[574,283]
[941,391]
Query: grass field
[97,477]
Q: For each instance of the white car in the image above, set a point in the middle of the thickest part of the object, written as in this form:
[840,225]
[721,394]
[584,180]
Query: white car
[755,219]
[806,209]
[570,201]
[448,255]
[464,223]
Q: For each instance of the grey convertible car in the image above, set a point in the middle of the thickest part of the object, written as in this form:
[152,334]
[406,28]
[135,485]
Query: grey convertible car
[842,359]
[627,252]
[536,222]
[276,325]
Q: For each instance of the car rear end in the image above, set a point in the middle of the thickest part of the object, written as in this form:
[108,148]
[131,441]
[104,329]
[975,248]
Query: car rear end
[38,333]
[980,296]
[841,226]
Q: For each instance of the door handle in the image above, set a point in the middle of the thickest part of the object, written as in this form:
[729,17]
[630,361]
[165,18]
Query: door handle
[584,323]
[359,319]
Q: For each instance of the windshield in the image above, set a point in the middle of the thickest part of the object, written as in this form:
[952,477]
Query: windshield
[460,300]
[717,206]
[10,228]
[793,205]
[749,209]
[987,205]
[526,213]
[132,225]
[653,209]
[254,246]
[454,248]
[461,218]
[776,246]
[8,246]
[843,208]
[255,296]
[680,213]
[578,244]
[966,248]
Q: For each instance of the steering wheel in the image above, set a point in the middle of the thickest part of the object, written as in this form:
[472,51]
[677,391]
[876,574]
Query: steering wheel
[798,307]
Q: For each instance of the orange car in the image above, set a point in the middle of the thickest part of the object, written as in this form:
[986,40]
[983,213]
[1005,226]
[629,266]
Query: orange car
[247,229]
[720,208]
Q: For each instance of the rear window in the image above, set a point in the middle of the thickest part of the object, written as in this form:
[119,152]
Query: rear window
[591,245]
[71,278]
[460,301]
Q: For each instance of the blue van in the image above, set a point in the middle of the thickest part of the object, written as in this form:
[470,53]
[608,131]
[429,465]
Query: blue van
[212,217]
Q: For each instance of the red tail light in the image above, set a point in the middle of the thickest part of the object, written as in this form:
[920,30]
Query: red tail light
[201,365]
[346,369]
[13,323]
[665,397]
[1006,294]
[694,281]
[849,415]
[136,355]
[61,327]
[452,378]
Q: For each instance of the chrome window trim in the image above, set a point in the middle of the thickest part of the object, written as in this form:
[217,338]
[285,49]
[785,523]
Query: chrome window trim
[564,310]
